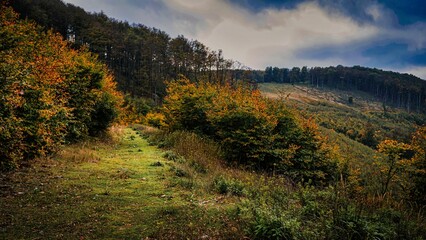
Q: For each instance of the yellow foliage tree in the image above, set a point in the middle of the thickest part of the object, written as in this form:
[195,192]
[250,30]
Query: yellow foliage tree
[397,160]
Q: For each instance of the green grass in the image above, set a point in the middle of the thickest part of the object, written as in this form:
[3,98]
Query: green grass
[130,189]
[273,207]
[108,190]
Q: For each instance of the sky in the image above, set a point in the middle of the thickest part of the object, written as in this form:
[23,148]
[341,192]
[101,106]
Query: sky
[386,34]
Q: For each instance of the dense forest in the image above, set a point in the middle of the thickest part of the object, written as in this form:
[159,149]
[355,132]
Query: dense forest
[141,58]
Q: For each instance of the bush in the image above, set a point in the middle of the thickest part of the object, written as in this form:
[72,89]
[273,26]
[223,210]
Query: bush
[156,120]
[231,187]
[251,130]
[51,93]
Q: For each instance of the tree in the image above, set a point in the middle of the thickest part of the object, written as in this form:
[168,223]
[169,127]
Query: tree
[418,142]
[50,93]
[396,161]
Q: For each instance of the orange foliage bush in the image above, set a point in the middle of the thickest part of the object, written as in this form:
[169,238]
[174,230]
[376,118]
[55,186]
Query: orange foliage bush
[253,131]
[49,93]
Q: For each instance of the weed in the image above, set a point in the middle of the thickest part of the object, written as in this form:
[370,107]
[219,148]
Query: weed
[198,167]
[231,187]
[270,226]
[170,155]
[186,183]
[180,173]
[78,154]
[156,164]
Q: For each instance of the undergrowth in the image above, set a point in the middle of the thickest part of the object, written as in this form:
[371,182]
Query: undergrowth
[110,190]
[274,207]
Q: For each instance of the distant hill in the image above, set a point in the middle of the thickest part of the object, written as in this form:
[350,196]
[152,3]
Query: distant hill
[357,114]
[390,88]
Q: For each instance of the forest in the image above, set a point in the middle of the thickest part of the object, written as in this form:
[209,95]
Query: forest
[141,58]
[118,131]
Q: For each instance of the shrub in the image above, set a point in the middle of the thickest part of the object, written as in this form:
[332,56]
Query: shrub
[51,93]
[226,186]
[251,130]
[156,120]
[418,177]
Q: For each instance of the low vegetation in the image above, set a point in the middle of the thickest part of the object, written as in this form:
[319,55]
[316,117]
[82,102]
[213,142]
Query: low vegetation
[365,120]
[254,132]
[275,207]
[119,187]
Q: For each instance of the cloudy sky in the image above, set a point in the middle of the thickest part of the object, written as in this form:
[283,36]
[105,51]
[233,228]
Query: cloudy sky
[387,34]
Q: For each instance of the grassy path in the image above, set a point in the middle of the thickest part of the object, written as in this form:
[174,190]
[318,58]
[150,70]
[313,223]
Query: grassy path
[103,191]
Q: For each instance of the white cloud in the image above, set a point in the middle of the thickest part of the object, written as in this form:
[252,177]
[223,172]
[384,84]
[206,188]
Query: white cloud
[269,37]
[256,39]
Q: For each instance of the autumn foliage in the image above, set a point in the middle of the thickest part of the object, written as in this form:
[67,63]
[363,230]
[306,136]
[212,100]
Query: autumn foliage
[49,93]
[253,131]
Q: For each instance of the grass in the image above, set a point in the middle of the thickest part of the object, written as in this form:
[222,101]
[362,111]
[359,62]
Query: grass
[127,188]
[274,207]
[331,109]
[122,189]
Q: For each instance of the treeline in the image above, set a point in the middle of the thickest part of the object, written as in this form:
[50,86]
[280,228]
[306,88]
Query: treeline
[394,89]
[141,58]
[49,93]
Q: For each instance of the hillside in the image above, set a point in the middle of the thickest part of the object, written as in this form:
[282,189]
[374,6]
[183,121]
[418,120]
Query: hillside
[356,114]
[123,187]
[141,58]
[393,89]
[179,145]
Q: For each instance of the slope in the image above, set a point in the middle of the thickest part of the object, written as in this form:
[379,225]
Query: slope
[355,114]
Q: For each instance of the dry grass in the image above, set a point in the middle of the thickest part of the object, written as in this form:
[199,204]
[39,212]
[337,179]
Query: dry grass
[307,94]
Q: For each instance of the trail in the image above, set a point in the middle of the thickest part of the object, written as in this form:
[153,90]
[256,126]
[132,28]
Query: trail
[96,191]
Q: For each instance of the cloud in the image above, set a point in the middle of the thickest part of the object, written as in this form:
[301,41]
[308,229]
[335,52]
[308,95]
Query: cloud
[419,71]
[272,36]
[286,33]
